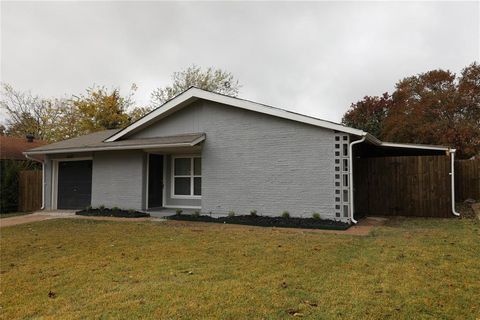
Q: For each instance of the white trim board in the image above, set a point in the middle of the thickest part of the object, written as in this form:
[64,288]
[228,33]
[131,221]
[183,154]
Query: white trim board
[194,94]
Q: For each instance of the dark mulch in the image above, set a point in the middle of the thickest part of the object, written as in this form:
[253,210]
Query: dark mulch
[264,221]
[465,210]
[112,213]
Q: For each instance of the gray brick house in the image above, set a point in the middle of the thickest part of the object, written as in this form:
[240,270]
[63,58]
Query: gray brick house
[215,153]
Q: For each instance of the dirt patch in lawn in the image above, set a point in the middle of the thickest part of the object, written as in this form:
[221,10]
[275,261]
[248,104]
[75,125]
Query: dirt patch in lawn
[264,221]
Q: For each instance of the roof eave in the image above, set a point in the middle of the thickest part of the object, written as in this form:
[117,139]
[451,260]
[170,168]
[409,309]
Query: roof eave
[109,148]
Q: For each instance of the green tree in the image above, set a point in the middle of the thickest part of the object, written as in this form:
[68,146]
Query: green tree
[210,79]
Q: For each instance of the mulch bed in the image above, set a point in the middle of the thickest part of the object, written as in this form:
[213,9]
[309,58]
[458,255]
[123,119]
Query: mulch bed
[112,213]
[465,210]
[265,221]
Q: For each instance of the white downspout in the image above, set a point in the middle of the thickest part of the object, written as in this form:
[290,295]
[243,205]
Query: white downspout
[43,178]
[452,176]
[350,155]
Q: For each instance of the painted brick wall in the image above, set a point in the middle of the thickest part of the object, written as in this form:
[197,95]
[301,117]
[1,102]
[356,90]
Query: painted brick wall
[118,179]
[255,161]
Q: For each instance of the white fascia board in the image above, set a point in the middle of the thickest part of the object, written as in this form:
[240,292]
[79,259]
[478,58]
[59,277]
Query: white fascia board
[413,146]
[193,94]
[380,143]
[107,148]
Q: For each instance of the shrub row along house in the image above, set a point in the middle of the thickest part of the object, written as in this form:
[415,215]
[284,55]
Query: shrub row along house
[215,153]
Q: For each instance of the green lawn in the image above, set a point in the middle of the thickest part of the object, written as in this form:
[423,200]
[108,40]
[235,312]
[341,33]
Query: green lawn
[414,268]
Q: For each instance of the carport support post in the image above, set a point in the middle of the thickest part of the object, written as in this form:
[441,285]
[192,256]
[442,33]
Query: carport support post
[350,155]
[452,178]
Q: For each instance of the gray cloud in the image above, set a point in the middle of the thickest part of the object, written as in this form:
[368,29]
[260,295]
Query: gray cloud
[313,58]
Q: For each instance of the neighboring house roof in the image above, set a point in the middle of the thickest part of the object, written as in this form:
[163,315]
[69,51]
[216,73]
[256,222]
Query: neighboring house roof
[95,142]
[13,147]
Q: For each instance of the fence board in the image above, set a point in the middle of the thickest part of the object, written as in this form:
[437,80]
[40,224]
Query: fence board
[403,186]
[30,190]
[467,179]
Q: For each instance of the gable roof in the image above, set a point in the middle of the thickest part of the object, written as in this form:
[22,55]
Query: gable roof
[95,142]
[193,94]
[13,147]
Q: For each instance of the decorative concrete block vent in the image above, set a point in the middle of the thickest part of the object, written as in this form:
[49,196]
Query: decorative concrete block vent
[342,169]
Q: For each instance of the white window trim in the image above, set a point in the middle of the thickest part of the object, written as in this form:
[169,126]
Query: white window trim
[192,176]
[54,188]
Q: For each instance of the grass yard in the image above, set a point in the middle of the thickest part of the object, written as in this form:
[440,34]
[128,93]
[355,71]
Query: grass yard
[410,268]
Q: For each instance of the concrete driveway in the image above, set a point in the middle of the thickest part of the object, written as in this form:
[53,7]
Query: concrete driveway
[61,214]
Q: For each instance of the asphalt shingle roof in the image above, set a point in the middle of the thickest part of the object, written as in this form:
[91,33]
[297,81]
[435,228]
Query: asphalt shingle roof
[94,141]
[12,147]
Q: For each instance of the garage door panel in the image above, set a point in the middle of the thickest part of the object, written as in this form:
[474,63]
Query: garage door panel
[74,184]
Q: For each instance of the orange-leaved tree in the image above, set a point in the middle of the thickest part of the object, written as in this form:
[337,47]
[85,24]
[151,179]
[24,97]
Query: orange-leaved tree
[434,107]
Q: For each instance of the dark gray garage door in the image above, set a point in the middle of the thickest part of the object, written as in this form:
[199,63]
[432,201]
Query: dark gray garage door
[74,184]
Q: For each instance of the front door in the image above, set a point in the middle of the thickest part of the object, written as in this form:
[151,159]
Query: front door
[155,181]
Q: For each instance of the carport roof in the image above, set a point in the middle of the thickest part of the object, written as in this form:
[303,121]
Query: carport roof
[95,142]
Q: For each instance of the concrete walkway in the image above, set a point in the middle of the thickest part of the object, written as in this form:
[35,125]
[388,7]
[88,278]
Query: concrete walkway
[62,214]
[7,222]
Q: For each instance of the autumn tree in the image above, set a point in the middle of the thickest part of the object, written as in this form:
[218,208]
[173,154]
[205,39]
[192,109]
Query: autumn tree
[434,107]
[102,109]
[48,119]
[368,114]
[210,79]
[57,119]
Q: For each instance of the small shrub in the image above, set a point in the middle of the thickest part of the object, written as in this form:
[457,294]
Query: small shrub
[102,207]
[131,211]
[253,213]
[179,211]
[88,208]
[115,209]
[285,214]
[196,213]
[231,214]
[316,216]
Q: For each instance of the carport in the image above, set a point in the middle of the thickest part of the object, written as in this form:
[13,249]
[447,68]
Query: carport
[391,179]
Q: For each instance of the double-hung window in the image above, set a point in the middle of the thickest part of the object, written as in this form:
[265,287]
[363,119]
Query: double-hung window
[187,176]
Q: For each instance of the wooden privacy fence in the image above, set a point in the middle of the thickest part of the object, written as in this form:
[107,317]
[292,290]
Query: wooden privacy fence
[403,186]
[467,179]
[29,190]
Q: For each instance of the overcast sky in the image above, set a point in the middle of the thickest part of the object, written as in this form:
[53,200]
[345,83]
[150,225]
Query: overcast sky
[312,58]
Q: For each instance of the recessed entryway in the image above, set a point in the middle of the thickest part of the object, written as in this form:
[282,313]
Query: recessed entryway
[155,181]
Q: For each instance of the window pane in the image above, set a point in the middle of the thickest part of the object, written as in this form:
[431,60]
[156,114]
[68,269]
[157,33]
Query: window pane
[197,186]
[182,166]
[197,166]
[182,186]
